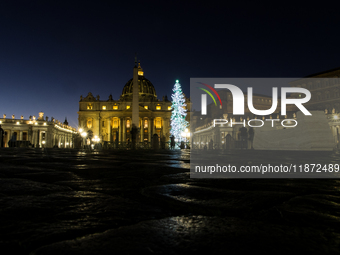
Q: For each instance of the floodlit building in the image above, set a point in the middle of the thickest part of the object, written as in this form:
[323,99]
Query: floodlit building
[37,132]
[111,120]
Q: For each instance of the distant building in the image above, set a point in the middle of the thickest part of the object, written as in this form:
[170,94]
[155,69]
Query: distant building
[325,91]
[202,128]
[111,120]
[325,96]
[38,133]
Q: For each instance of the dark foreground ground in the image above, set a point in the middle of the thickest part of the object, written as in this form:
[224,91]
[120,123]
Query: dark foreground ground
[123,202]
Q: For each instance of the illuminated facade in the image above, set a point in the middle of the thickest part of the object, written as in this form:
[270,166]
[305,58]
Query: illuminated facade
[111,120]
[37,133]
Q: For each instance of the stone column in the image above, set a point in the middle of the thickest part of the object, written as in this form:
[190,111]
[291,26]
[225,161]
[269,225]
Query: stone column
[124,130]
[99,125]
[9,136]
[48,138]
[153,126]
[30,134]
[150,128]
[33,138]
[142,131]
[166,128]
[120,129]
[109,130]
[38,138]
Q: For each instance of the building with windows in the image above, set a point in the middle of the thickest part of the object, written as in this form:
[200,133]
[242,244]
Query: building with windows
[111,120]
[325,96]
[37,132]
[203,130]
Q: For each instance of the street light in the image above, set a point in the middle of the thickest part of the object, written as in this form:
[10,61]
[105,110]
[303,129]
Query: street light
[96,139]
[185,134]
[83,134]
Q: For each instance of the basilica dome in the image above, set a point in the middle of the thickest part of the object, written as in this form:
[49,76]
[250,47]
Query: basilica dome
[146,90]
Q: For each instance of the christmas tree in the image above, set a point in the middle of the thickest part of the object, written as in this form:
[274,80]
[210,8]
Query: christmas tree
[177,121]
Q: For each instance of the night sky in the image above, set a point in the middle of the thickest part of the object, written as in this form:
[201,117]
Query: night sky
[53,52]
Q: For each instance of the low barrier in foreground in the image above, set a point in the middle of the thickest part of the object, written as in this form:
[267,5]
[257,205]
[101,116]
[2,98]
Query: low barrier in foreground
[140,145]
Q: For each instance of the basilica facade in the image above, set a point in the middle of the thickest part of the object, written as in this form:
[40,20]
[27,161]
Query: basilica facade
[111,120]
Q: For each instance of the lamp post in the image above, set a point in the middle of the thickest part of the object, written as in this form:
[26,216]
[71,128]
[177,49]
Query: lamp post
[83,134]
[185,134]
[96,139]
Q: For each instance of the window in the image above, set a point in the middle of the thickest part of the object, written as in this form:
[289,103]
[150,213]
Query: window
[145,123]
[128,123]
[89,107]
[103,123]
[158,107]
[89,124]
[24,136]
[158,123]
[169,108]
[127,107]
[103,107]
[115,107]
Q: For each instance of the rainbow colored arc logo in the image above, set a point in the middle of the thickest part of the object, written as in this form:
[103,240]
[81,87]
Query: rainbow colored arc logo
[209,93]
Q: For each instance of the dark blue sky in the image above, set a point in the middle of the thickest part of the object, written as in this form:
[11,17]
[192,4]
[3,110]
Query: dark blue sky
[51,53]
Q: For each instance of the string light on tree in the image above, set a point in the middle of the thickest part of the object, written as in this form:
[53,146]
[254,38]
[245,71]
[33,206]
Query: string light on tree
[177,121]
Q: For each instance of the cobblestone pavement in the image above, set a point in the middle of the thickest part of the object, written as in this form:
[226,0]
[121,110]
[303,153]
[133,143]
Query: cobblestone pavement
[143,202]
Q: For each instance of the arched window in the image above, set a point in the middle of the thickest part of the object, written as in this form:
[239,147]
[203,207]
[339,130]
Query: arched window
[158,122]
[115,123]
[89,123]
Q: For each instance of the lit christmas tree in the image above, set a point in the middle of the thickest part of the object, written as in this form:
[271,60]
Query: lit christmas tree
[178,122]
